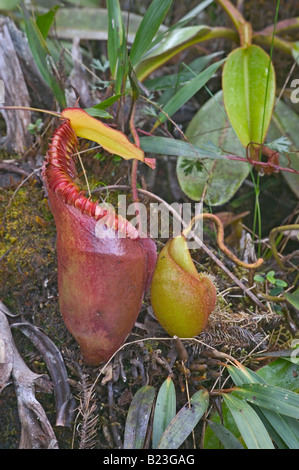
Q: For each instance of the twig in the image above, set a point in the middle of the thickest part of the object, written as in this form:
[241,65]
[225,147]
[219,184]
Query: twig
[36,430]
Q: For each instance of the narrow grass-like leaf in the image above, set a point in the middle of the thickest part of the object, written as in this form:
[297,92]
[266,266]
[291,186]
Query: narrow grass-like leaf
[242,375]
[138,417]
[108,102]
[250,425]
[165,409]
[225,436]
[284,430]
[42,56]
[181,78]
[176,41]
[44,22]
[148,28]
[97,112]
[115,34]
[187,91]
[168,146]
[271,397]
[184,422]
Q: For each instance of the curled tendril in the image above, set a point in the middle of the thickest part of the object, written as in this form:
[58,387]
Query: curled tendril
[220,240]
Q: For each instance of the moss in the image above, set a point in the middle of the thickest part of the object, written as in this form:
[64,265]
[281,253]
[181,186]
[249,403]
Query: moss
[27,247]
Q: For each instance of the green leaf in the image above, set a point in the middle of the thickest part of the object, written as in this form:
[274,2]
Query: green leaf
[242,375]
[227,438]
[280,283]
[248,84]
[42,57]
[271,277]
[282,373]
[165,409]
[117,47]
[97,112]
[293,298]
[115,33]
[295,51]
[184,76]
[221,178]
[8,4]
[271,397]
[175,41]
[148,28]
[184,422]
[285,122]
[258,278]
[93,25]
[108,102]
[211,441]
[44,22]
[284,430]
[187,91]
[168,146]
[250,425]
[138,417]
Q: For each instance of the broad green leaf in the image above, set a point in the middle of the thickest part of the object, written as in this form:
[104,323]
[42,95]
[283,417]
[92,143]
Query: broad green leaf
[271,397]
[220,178]
[227,438]
[285,122]
[250,425]
[248,84]
[148,28]
[165,409]
[184,422]
[282,373]
[187,91]
[293,298]
[44,22]
[42,57]
[138,417]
